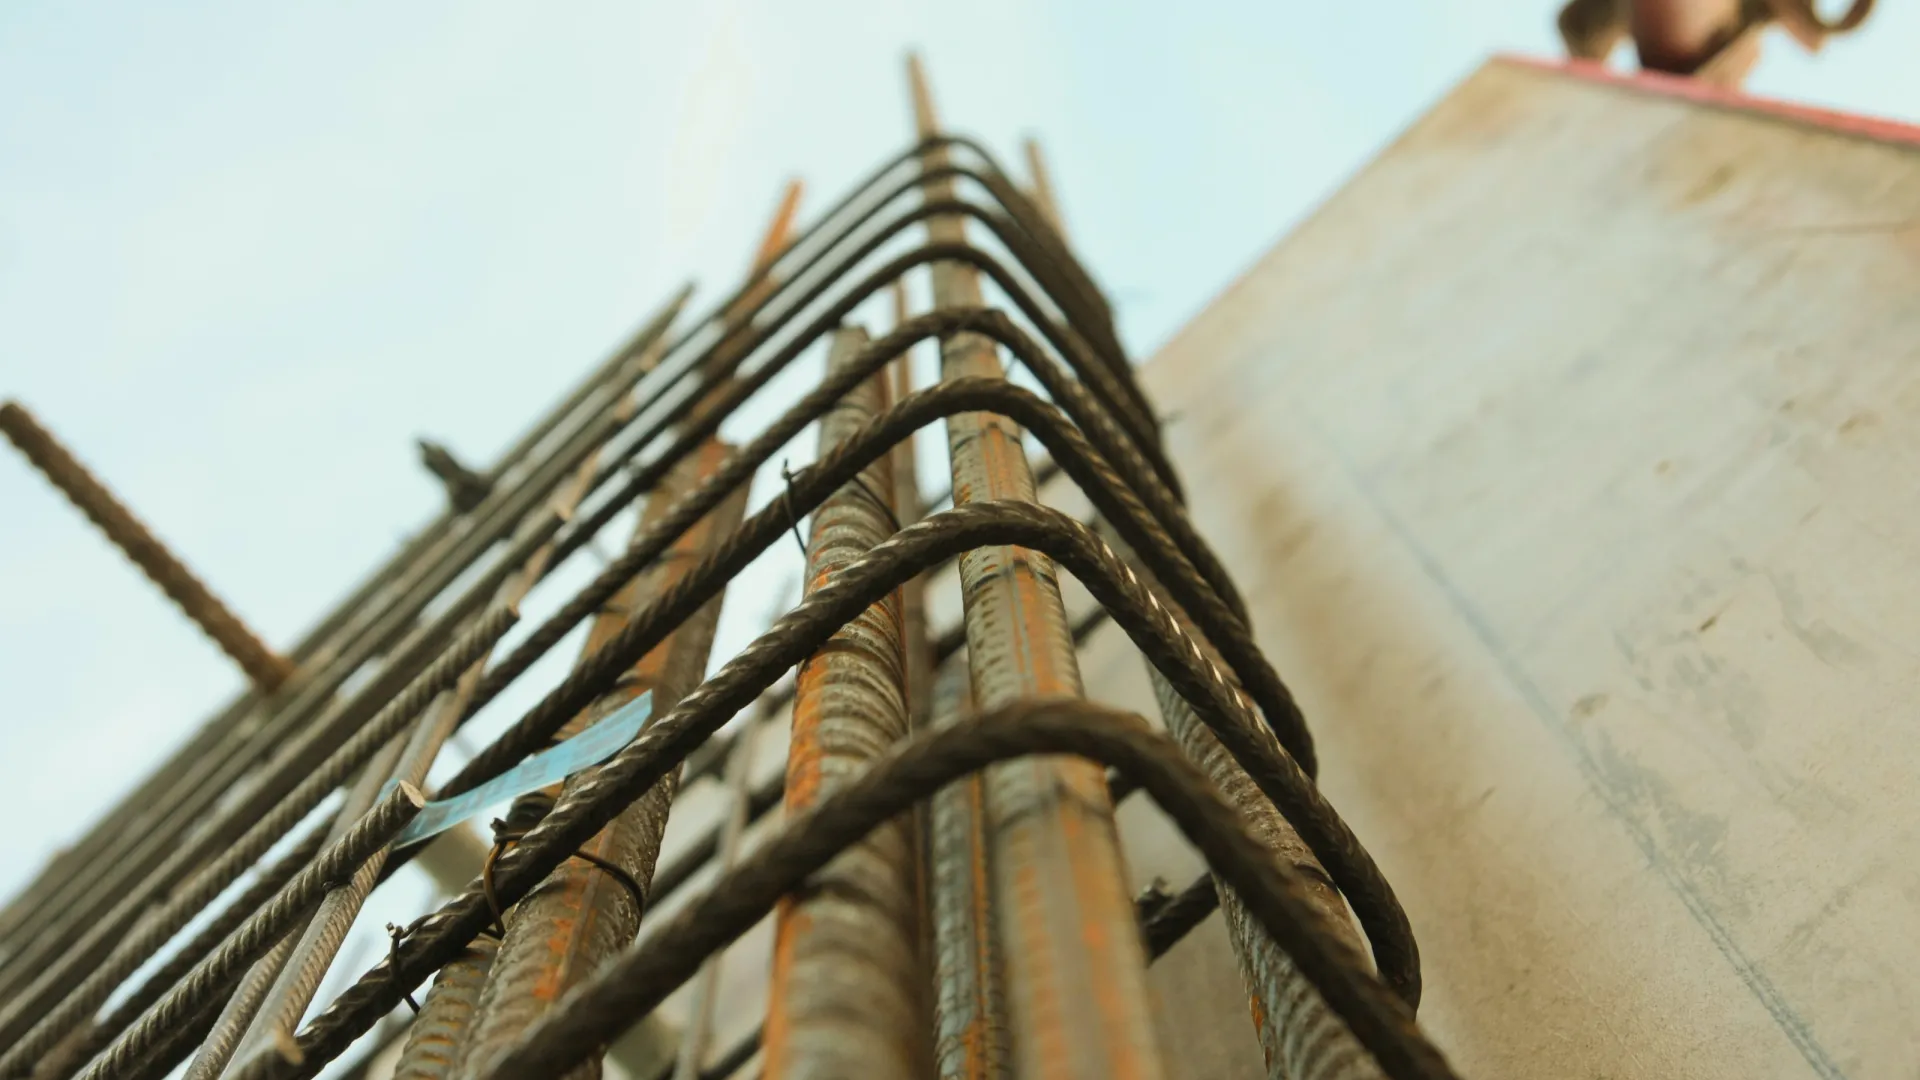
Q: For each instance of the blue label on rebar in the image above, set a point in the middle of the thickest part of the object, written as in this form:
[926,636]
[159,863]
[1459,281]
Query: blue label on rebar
[549,766]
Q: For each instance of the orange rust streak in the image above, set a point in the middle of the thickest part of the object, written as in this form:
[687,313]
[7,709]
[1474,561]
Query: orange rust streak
[780,229]
[565,897]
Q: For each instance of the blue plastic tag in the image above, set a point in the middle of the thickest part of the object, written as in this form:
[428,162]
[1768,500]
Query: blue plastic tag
[549,766]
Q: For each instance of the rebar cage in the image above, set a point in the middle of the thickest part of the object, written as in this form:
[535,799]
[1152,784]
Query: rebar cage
[945,884]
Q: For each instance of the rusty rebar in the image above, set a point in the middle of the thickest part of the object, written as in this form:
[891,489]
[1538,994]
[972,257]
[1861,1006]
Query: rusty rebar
[583,913]
[265,667]
[280,1010]
[586,911]
[1075,975]
[845,993]
[1191,626]
[667,739]
[439,1034]
[641,978]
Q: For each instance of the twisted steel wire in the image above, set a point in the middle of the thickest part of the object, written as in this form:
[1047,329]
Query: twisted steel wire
[742,466]
[640,979]
[727,392]
[1109,494]
[130,952]
[1064,268]
[1165,920]
[666,741]
[1095,410]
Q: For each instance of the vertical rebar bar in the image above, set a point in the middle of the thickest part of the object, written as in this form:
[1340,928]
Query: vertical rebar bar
[845,994]
[231,1025]
[265,667]
[261,982]
[970,1013]
[908,507]
[1300,1038]
[281,1010]
[439,1034]
[581,914]
[1075,970]
[706,986]
[1040,189]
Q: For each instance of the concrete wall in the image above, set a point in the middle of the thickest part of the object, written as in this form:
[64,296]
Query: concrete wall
[1569,458]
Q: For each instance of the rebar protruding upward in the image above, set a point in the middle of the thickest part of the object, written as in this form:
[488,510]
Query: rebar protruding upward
[265,667]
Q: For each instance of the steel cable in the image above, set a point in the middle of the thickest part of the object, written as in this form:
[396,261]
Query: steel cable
[667,739]
[640,979]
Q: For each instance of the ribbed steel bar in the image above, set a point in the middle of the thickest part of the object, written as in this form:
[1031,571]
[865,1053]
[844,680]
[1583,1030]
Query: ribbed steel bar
[208,978]
[1075,976]
[909,505]
[123,955]
[699,1028]
[84,1042]
[209,743]
[641,978]
[265,667]
[439,1034]
[845,993]
[971,1037]
[218,1044]
[158,859]
[582,914]
[262,981]
[379,628]
[1300,1038]
[1164,922]
[665,742]
[1281,779]
[281,1010]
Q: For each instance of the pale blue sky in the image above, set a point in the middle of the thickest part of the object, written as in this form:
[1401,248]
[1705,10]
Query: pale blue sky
[248,252]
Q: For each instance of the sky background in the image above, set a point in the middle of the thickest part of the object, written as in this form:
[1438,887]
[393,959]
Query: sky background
[248,252]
